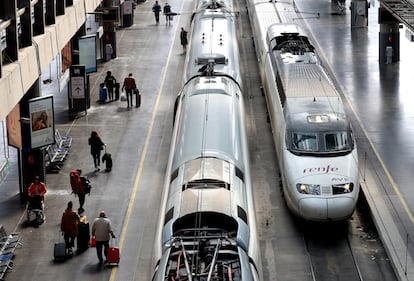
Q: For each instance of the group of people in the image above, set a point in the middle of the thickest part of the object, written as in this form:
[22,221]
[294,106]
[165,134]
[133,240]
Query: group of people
[168,19]
[70,220]
[166,11]
[106,89]
[101,231]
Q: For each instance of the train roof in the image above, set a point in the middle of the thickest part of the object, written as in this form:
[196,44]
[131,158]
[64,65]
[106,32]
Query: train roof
[305,80]
[210,123]
[214,4]
[213,39]
[319,114]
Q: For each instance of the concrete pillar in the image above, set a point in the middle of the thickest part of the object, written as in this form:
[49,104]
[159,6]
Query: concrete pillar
[389,37]
[359,13]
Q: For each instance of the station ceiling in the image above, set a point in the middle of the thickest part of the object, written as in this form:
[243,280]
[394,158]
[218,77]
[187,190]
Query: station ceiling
[403,10]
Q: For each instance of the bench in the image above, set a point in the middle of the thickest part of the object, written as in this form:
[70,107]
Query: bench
[62,141]
[8,244]
[55,157]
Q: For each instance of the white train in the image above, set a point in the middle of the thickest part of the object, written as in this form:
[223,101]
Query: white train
[213,41]
[207,227]
[313,137]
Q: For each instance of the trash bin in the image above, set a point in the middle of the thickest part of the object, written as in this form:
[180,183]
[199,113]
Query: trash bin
[117,86]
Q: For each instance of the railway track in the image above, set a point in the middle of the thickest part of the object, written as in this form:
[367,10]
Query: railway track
[330,253]
[348,250]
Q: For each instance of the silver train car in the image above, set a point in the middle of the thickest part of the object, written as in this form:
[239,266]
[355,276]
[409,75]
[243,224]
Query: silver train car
[207,227]
[213,42]
[313,137]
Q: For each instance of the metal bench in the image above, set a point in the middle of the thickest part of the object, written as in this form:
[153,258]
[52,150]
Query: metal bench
[63,141]
[8,243]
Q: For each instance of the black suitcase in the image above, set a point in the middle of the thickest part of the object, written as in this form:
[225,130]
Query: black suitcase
[137,98]
[83,237]
[117,86]
[59,251]
[107,159]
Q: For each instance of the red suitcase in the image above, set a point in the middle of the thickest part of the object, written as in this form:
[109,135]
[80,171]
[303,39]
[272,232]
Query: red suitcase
[113,256]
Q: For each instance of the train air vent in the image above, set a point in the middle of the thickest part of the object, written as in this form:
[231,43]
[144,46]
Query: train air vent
[318,118]
[200,184]
[216,58]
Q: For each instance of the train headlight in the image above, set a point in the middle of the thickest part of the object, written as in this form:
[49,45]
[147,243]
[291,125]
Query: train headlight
[342,188]
[313,189]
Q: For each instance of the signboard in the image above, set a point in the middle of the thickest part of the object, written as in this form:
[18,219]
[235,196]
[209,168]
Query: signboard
[128,8]
[14,129]
[77,81]
[42,127]
[107,14]
[87,53]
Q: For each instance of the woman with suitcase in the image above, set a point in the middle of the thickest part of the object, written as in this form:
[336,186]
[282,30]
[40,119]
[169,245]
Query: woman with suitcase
[69,227]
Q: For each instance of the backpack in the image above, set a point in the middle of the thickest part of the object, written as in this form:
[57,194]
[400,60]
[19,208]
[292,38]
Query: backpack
[76,182]
[86,184]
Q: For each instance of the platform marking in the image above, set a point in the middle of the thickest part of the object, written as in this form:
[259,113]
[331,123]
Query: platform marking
[144,154]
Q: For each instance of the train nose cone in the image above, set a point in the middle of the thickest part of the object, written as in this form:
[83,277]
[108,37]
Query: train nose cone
[333,209]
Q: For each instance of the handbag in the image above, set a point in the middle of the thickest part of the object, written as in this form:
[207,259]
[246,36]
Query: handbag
[92,243]
[123,97]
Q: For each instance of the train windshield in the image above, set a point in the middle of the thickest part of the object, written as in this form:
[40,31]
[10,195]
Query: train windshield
[320,143]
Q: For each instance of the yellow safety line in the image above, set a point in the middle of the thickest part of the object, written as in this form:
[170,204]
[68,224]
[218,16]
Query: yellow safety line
[142,160]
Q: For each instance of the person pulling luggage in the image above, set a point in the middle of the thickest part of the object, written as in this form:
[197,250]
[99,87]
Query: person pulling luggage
[102,231]
[69,227]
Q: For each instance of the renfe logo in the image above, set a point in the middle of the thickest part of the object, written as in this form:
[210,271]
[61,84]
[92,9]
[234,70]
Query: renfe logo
[326,170]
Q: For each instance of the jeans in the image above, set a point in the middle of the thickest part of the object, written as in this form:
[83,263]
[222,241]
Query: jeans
[129,96]
[69,241]
[99,245]
[97,159]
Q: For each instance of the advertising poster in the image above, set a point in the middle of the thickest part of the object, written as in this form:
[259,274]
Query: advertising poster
[42,127]
[87,53]
[14,131]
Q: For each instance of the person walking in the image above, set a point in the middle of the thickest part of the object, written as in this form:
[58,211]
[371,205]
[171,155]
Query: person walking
[80,187]
[129,86]
[183,38]
[156,9]
[96,146]
[69,227]
[110,84]
[167,12]
[102,231]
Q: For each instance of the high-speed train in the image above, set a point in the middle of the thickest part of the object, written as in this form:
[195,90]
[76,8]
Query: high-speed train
[207,226]
[313,137]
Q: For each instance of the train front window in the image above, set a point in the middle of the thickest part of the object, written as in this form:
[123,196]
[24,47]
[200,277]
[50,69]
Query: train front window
[305,142]
[336,141]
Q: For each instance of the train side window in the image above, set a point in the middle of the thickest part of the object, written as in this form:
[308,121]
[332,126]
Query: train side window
[241,213]
[168,215]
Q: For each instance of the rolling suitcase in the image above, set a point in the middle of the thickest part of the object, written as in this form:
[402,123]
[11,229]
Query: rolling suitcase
[113,255]
[59,251]
[83,236]
[103,95]
[107,159]
[137,98]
